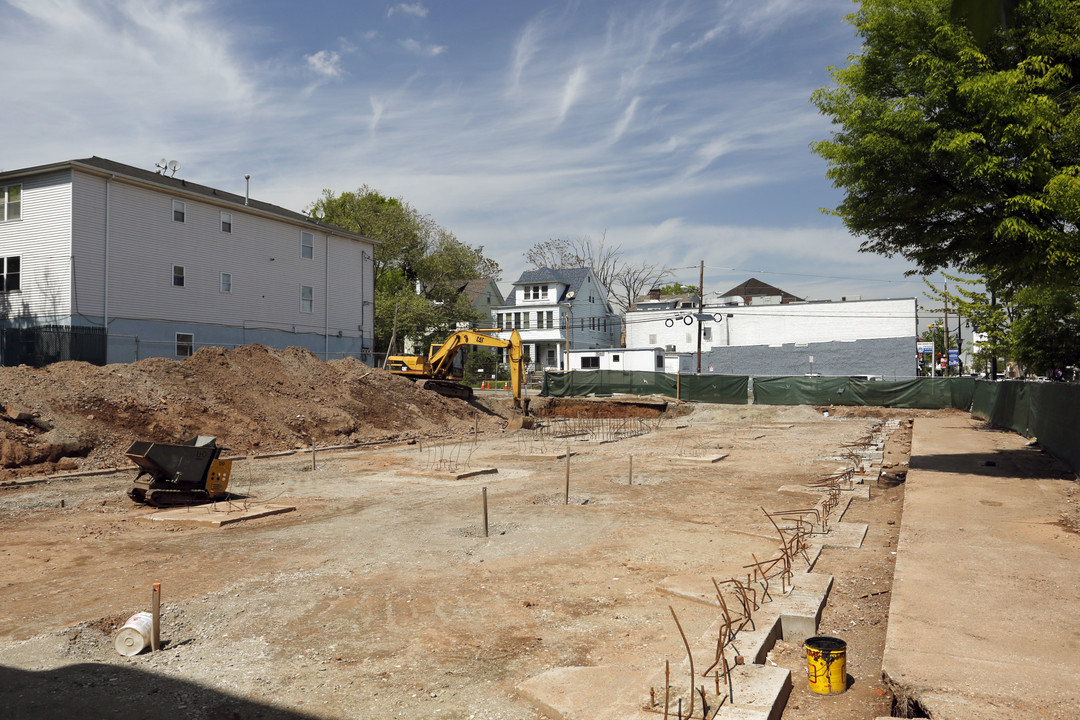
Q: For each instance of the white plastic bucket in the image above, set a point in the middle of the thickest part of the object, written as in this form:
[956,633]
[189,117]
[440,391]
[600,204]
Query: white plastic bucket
[134,636]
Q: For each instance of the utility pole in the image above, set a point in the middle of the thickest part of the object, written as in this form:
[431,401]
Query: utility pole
[393,338]
[945,370]
[993,359]
[701,310]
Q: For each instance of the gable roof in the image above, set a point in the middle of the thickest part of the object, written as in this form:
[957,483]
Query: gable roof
[180,186]
[755,288]
[473,289]
[571,277]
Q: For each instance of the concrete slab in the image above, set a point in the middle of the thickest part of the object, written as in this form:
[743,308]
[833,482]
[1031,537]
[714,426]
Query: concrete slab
[984,619]
[447,474]
[570,693]
[701,459]
[759,688]
[842,534]
[218,514]
[800,611]
[813,582]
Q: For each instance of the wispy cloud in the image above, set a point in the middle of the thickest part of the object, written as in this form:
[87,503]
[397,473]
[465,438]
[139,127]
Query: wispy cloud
[571,91]
[657,120]
[524,49]
[418,48]
[624,122]
[324,62]
[414,9]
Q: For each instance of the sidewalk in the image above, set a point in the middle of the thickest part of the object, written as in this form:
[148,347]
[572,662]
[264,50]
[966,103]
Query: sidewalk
[985,614]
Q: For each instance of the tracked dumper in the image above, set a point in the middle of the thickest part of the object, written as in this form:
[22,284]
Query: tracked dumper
[187,474]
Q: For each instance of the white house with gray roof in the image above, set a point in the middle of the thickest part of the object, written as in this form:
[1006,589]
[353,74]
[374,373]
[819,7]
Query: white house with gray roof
[557,310]
[167,266]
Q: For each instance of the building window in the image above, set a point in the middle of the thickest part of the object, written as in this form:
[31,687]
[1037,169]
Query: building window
[178,275]
[226,283]
[590,363]
[706,333]
[652,339]
[178,210]
[10,202]
[307,245]
[185,344]
[526,319]
[517,321]
[543,291]
[550,319]
[12,271]
[614,358]
[498,320]
[550,357]
[307,298]
[659,362]
[226,222]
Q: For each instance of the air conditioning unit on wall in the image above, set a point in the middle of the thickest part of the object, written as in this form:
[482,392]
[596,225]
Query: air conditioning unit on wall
[669,348]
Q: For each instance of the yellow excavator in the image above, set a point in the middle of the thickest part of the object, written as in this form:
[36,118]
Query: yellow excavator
[436,371]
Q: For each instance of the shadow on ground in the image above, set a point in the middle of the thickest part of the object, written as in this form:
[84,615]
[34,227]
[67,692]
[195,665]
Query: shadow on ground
[90,690]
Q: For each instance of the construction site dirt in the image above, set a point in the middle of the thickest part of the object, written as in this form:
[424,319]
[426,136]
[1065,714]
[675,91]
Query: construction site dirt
[380,596]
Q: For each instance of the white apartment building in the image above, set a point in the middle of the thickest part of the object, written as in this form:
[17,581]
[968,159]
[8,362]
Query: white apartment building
[166,266]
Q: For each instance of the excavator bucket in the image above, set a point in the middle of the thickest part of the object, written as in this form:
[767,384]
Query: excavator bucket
[519,422]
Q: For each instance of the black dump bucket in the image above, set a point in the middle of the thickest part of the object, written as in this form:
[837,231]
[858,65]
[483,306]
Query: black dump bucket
[181,464]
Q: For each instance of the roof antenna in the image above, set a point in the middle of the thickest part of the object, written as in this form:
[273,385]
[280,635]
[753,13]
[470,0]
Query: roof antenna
[247,187]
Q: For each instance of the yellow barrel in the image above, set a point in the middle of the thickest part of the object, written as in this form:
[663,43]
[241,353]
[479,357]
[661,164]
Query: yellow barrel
[826,664]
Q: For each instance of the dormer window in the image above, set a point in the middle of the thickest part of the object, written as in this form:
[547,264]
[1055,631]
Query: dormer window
[536,292]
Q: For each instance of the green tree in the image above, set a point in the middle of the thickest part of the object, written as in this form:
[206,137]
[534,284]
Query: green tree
[1046,331]
[483,364]
[419,265]
[954,153]
[677,288]
[982,312]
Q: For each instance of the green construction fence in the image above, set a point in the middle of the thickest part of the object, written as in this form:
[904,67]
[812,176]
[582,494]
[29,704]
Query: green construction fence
[1047,411]
[726,389]
[920,393]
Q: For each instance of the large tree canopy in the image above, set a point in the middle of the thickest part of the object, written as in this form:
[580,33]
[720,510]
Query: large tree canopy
[419,266]
[960,153]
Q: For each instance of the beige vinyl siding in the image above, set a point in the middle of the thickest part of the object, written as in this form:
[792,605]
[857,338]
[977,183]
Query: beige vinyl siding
[88,243]
[350,286]
[42,238]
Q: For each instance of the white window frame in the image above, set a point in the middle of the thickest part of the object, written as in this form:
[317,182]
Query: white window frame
[225,284]
[179,207]
[182,276]
[6,203]
[310,300]
[6,274]
[183,345]
[308,247]
[226,222]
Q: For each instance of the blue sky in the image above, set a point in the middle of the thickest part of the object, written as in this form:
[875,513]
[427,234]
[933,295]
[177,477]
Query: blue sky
[681,129]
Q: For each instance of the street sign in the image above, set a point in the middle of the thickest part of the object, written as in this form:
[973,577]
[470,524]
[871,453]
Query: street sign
[954,357]
[924,347]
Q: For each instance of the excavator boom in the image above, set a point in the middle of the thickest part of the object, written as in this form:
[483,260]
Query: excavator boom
[437,366]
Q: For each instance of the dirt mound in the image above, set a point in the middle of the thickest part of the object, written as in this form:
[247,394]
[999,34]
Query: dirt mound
[253,399]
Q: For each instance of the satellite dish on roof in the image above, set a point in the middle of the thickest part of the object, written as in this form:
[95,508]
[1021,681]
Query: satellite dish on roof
[174,165]
[570,295]
[161,165]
